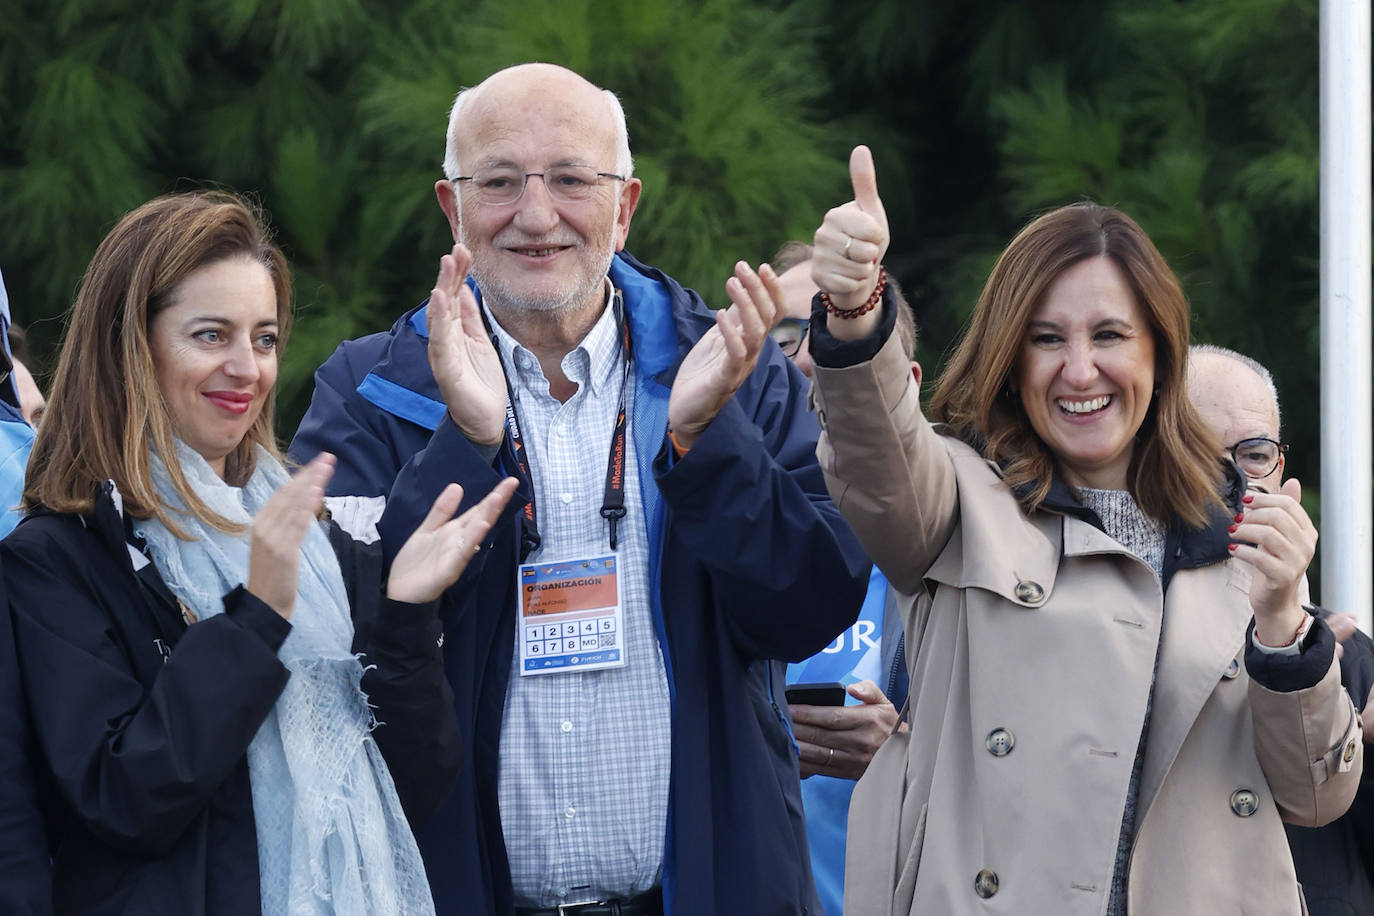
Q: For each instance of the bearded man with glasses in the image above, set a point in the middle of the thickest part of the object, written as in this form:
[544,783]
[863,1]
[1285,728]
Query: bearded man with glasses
[1237,398]
[629,749]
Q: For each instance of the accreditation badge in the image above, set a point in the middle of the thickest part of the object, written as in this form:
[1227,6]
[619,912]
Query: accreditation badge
[571,616]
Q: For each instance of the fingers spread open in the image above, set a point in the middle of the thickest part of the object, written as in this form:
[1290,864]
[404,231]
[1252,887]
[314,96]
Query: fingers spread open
[445,504]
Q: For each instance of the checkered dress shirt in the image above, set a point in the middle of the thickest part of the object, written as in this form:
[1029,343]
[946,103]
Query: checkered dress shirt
[584,756]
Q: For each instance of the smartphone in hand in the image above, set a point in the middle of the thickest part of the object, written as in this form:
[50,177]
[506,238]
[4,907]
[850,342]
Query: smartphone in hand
[822,694]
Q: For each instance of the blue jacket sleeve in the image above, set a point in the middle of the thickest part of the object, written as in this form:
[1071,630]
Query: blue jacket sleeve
[749,502]
[135,764]
[381,455]
[447,457]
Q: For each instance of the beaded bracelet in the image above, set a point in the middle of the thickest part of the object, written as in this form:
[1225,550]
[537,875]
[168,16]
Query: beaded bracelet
[868,305]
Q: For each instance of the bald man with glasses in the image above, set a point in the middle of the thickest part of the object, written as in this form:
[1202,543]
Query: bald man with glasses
[612,651]
[1238,399]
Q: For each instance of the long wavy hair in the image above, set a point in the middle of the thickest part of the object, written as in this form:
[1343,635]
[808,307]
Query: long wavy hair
[1174,472]
[106,410]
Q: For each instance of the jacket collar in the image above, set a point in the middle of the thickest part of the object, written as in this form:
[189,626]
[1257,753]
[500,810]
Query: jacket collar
[1023,568]
[664,317]
[1186,547]
[116,529]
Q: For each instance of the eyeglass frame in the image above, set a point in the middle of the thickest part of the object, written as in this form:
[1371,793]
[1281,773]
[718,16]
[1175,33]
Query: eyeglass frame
[1281,448]
[525,183]
[790,321]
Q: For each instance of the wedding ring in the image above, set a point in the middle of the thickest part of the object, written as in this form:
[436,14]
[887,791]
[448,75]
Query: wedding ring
[830,758]
[848,240]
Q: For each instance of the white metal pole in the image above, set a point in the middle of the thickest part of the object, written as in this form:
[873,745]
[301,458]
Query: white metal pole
[1347,582]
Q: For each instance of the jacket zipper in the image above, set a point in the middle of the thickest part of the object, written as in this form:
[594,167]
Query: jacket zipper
[898,662]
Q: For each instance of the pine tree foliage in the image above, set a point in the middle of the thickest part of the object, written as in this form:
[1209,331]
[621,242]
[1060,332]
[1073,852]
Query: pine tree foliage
[332,114]
[719,103]
[1199,118]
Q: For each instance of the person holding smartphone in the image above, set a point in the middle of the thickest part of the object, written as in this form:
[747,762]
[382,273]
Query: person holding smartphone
[844,700]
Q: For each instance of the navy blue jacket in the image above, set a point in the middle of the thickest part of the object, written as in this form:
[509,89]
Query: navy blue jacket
[750,561]
[143,723]
[25,878]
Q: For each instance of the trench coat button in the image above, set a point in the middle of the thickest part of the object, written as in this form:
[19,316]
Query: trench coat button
[1232,670]
[985,883]
[1030,592]
[1000,742]
[1349,754]
[1244,802]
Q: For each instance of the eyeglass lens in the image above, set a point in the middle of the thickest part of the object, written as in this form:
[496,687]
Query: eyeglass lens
[789,335]
[1256,457]
[569,183]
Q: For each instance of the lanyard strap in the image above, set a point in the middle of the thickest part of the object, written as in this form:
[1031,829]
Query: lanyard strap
[613,496]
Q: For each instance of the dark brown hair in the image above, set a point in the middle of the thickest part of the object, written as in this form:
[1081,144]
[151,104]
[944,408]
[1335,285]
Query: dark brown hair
[106,409]
[1174,472]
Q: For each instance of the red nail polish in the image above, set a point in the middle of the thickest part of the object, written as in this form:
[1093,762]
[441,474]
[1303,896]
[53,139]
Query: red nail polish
[1247,499]
[1240,517]
[1232,529]
[1232,547]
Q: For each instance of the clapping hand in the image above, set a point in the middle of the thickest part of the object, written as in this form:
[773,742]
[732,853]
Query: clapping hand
[279,528]
[436,554]
[726,354]
[461,356]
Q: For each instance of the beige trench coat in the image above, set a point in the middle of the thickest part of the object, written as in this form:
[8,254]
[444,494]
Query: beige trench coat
[1030,670]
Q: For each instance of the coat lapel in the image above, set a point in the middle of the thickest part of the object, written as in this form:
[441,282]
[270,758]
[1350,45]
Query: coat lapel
[1201,638]
[1016,556]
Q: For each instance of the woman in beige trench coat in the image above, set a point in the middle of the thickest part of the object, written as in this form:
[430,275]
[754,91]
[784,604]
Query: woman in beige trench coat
[1116,695]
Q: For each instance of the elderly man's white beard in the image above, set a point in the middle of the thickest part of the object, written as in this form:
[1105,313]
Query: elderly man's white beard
[499,296]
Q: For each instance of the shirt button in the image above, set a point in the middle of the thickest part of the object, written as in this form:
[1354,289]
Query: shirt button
[566,497]
[566,726]
[1000,742]
[1030,592]
[1232,670]
[1349,754]
[985,883]
[1244,802]
[570,812]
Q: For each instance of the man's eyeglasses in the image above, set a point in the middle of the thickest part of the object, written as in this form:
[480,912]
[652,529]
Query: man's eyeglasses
[504,185]
[1257,457]
[790,333]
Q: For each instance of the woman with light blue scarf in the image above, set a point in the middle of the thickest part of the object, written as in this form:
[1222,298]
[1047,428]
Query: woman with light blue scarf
[237,713]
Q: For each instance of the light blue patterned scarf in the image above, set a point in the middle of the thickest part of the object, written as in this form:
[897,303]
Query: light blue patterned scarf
[332,838]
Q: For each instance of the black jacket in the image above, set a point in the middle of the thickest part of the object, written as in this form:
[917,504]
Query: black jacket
[143,723]
[25,879]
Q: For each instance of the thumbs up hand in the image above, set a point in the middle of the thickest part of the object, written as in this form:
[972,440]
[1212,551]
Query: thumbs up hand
[850,245]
